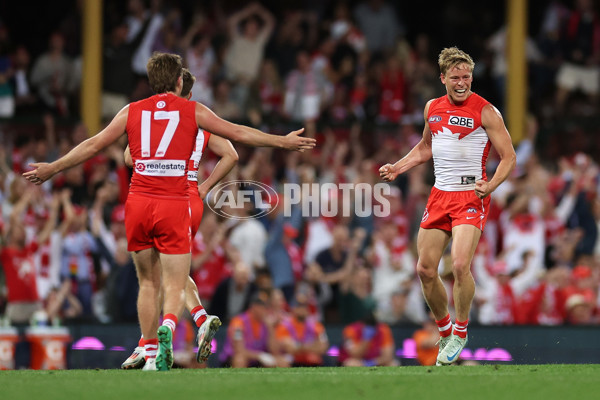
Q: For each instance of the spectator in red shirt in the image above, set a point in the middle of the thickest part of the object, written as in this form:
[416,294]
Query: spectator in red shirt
[583,282]
[501,290]
[580,310]
[18,263]
[544,304]
[392,103]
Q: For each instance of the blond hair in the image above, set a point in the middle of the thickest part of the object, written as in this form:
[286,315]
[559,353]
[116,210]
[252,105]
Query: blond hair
[164,70]
[450,57]
[188,82]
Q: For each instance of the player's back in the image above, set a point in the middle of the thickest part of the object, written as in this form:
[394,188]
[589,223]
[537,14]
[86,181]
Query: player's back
[162,135]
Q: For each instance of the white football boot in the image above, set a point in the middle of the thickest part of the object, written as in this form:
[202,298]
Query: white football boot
[150,365]
[136,360]
[206,332]
[442,343]
[452,350]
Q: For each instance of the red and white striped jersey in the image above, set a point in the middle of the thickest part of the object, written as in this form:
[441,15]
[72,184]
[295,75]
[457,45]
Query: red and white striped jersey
[460,144]
[201,142]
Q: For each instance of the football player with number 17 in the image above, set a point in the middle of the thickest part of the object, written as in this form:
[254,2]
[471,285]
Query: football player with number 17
[162,132]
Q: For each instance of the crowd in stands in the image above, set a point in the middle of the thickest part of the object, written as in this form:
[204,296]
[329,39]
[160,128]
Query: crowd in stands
[357,81]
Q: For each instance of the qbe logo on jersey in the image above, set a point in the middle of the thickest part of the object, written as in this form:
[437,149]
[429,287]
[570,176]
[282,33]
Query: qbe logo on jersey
[461,121]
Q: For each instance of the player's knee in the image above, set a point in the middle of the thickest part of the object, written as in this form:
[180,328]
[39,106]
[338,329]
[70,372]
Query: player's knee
[461,268]
[147,283]
[426,273]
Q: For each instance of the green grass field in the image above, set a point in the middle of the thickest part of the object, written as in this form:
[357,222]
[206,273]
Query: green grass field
[474,382]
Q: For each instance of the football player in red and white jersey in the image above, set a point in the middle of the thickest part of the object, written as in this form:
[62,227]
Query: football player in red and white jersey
[157,217]
[207,324]
[459,129]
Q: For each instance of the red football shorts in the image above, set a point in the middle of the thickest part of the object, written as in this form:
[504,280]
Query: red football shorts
[446,210]
[196,206]
[162,223]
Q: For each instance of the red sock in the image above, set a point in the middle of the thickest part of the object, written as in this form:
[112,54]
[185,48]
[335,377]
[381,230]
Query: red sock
[170,320]
[444,326]
[141,341]
[460,328]
[199,315]
[151,347]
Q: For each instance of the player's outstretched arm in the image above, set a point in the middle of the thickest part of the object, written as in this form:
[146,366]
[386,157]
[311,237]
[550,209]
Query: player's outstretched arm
[82,152]
[418,155]
[208,120]
[229,157]
[492,121]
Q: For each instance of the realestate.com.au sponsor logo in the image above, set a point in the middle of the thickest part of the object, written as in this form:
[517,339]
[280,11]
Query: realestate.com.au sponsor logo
[243,199]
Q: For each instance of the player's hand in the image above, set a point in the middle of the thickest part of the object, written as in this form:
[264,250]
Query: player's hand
[293,141]
[40,174]
[203,190]
[483,189]
[387,173]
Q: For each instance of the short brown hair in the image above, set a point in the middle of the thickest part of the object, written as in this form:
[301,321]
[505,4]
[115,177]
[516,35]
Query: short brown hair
[163,71]
[450,57]
[188,82]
